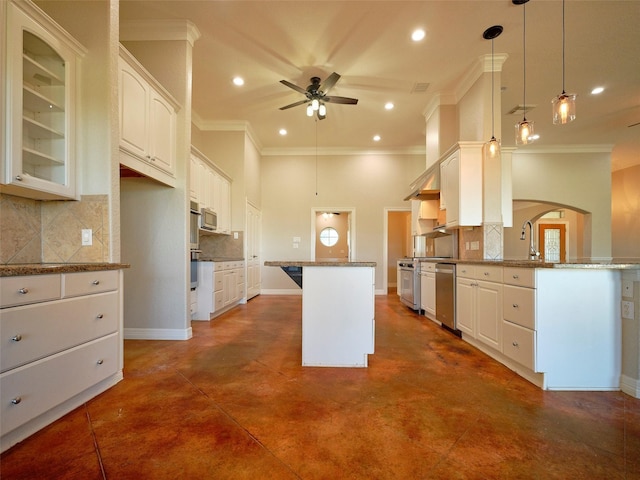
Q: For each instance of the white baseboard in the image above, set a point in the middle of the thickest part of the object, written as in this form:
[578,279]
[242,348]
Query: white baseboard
[157,334]
[630,386]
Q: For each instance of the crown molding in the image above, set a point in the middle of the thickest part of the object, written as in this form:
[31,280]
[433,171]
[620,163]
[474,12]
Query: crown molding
[154,30]
[339,151]
[533,150]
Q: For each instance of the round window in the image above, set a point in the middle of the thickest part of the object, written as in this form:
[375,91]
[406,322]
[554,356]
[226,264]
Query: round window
[329,236]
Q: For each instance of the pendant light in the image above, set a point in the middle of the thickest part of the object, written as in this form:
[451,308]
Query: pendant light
[524,129]
[493,145]
[564,105]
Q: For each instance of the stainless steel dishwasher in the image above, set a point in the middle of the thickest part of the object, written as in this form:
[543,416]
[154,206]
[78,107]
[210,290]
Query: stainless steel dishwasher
[446,295]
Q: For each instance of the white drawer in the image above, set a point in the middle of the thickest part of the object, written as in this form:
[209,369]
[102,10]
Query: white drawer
[488,273]
[218,298]
[28,391]
[31,332]
[86,283]
[518,343]
[240,276]
[466,271]
[228,265]
[427,267]
[523,277]
[29,289]
[218,281]
[519,305]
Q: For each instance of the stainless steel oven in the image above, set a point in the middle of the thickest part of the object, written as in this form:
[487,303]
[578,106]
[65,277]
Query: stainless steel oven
[410,283]
[194,268]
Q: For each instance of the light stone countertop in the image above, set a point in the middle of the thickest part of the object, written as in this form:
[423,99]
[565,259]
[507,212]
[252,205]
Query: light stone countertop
[296,263]
[49,268]
[613,265]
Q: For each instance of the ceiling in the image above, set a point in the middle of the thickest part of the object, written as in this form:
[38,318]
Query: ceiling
[369,44]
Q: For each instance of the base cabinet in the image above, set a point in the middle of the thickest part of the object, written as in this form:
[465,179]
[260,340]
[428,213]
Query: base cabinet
[57,352]
[221,287]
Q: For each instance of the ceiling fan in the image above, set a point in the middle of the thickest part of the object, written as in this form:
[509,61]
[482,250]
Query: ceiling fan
[316,95]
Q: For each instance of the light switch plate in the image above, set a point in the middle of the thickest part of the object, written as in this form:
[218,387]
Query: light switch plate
[627,310]
[87,237]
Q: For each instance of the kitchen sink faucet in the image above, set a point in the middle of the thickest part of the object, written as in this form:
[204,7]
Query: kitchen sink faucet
[533,253]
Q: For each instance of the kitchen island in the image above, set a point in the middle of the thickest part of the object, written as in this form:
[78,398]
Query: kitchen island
[338,324]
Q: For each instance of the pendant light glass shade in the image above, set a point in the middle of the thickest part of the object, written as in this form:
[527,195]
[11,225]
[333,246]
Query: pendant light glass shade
[524,132]
[493,146]
[315,104]
[524,129]
[309,110]
[564,105]
[322,110]
[564,108]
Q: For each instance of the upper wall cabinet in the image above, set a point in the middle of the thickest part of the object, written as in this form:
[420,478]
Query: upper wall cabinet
[461,185]
[210,186]
[147,122]
[42,68]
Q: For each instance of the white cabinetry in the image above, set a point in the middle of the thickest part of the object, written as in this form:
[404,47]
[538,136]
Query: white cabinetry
[221,286]
[211,188]
[461,185]
[61,346]
[479,293]
[42,68]
[147,122]
[428,289]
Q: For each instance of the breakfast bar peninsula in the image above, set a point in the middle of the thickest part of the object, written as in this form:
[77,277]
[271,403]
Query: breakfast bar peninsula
[338,325]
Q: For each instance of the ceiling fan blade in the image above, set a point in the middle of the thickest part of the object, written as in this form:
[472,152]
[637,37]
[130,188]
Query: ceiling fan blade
[294,87]
[301,102]
[343,100]
[329,82]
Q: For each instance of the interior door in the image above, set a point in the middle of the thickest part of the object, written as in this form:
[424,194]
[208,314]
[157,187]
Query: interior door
[552,238]
[254,227]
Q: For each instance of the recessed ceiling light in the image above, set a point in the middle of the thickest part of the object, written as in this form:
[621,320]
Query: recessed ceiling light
[239,81]
[597,90]
[376,138]
[282,132]
[417,35]
[388,106]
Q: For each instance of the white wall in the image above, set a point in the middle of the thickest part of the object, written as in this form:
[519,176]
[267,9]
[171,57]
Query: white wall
[365,182]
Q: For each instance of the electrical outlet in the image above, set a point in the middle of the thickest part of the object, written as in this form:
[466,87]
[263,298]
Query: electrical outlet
[87,237]
[627,310]
[627,288]
[295,245]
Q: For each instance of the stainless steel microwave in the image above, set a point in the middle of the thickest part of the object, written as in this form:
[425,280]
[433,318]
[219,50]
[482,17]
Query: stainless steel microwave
[208,220]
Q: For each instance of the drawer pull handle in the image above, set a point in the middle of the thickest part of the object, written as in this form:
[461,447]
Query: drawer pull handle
[515,305]
[16,338]
[515,344]
[96,282]
[23,291]
[16,400]
[19,178]
[100,362]
[486,274]
[515,277]
[100,316]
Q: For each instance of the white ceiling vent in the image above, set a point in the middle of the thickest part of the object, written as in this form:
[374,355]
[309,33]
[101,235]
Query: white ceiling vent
[420,87]
[521,109]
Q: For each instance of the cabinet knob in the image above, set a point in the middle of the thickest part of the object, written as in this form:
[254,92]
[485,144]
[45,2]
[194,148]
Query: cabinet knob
[16,400]
[515,277]
[19,178]
[23,291]
[515,344]
[96,282]
[16,338]
[100,362]
[486,274]
[100,316]
[515,305]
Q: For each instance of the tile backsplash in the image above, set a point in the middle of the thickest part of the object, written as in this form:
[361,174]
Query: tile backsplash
[33,231]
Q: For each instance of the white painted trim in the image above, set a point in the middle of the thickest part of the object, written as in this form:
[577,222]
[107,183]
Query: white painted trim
[144,30]
[157,334]
[352,229]
[385,246]
[334,151]
[630,386]
[534,150]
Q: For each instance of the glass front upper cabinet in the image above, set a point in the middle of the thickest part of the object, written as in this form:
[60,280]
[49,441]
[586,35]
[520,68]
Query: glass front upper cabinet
[41,62]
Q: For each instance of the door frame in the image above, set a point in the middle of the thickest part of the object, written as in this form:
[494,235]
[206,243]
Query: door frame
[385,243]
[351,211]
[564,237]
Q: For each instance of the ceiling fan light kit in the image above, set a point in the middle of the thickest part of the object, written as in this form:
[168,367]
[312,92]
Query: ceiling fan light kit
[316,96]
[564,105]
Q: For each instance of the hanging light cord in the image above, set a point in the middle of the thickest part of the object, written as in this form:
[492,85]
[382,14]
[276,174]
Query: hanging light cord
[492,100]
[316,120]
[524,61]
[563,92]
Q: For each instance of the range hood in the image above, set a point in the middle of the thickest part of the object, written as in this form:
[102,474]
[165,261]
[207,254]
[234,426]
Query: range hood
[427,185]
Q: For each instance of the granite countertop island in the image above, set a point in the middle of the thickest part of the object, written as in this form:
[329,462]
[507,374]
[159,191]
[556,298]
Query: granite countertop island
[594,265]
[21,269]
[298,263]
